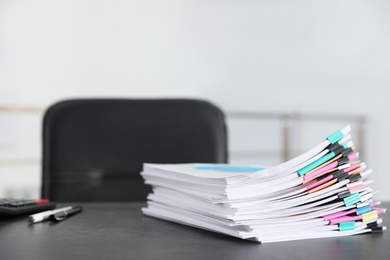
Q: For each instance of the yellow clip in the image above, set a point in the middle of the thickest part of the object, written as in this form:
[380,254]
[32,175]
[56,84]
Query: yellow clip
[372,215]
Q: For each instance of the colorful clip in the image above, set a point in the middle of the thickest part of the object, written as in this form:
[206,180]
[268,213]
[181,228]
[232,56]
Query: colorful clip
[339,214]
[320,171]
[353,167]
[352,199]
[354,186]
[372,215]
[319,181]
[316,163]
[335,137]
[344,226]
[362,210]
[353,156]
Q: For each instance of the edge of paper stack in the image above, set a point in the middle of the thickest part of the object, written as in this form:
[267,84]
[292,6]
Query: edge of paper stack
[324,192]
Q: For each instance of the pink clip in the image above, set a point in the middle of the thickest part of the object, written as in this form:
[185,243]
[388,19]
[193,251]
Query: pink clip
[356,185]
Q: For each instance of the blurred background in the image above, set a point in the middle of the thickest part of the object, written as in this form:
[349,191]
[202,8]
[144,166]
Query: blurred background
[286,73]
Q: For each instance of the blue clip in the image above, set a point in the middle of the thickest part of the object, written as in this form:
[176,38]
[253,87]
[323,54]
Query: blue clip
[362,210]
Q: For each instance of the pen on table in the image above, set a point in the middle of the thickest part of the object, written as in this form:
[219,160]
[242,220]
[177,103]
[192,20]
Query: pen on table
[61,215]
[44,215]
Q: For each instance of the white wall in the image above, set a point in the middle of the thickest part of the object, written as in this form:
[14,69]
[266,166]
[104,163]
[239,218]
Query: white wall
[284,56]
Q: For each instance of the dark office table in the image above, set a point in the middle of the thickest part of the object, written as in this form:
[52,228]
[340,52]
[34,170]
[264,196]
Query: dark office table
[121,231]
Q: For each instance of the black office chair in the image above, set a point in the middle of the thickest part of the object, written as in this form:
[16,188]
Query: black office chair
[94,149]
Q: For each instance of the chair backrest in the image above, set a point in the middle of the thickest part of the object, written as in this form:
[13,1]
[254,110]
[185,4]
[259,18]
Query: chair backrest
[94,149]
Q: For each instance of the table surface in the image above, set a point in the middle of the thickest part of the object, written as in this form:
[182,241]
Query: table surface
[121,231]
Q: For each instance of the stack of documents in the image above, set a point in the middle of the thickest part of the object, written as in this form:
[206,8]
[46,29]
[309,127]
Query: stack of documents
[324,192]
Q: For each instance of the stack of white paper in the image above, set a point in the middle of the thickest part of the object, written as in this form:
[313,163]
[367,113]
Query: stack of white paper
[324,192]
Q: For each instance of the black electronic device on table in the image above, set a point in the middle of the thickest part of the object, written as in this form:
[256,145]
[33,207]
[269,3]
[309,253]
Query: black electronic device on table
[19,207]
